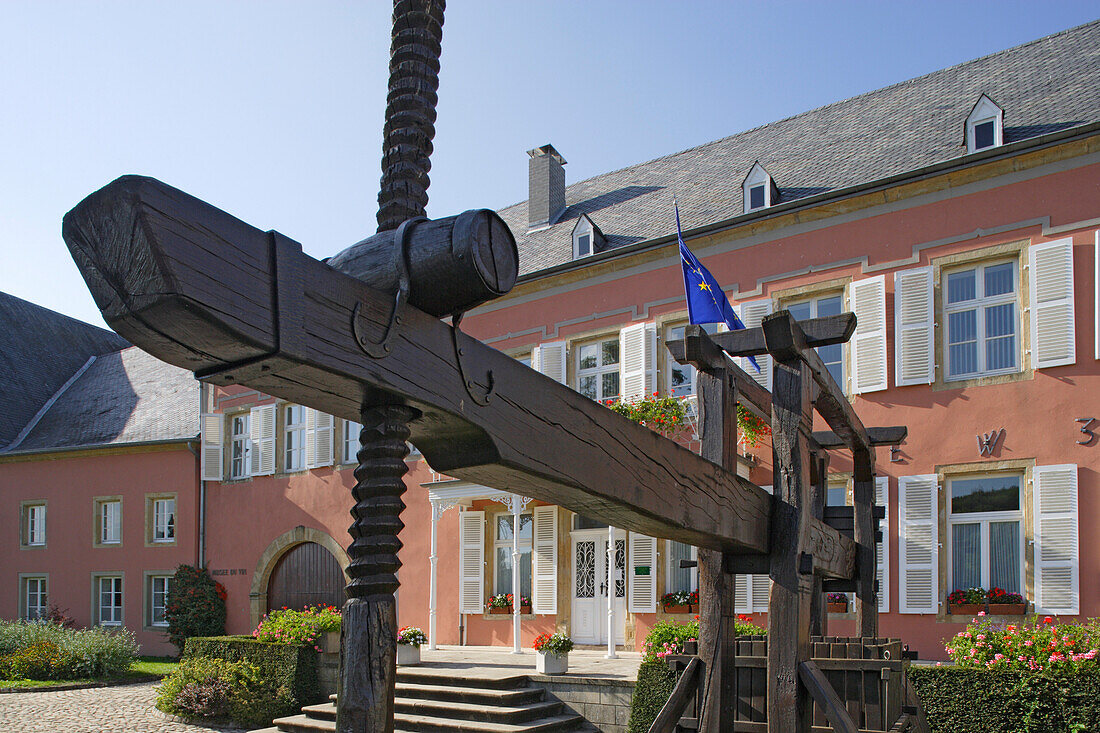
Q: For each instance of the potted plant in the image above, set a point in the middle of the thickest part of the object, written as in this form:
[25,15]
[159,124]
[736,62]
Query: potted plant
[693,600]
[524,604]
[966,602]
[836,603]
[409,639]
[1007,604]
[552,653]
[500,603]
[676,602]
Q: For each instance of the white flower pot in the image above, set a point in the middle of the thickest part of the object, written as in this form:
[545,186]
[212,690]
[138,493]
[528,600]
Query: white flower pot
[551,663]
[407,654]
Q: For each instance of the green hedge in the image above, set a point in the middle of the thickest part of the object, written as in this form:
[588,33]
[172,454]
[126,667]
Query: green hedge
[958,700]
[655,683]
[292,668]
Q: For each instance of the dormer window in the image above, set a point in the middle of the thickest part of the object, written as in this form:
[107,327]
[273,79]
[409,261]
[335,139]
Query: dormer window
[759,189]
[984,126]
[587,238]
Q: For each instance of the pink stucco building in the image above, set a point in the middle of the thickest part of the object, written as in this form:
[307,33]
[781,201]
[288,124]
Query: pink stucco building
[957,214]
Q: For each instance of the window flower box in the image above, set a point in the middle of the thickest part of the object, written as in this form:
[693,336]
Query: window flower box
[1007,609]
[695,608]
[525,609]
[500,609]
[965,609]
[836,603]
[678,608]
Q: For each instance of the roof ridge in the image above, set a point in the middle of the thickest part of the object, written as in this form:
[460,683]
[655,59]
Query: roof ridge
[895,85]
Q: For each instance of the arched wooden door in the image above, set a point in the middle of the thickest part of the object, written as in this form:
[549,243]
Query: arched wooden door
[306,575]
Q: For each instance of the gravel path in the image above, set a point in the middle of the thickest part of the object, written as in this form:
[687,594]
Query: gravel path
[124,709]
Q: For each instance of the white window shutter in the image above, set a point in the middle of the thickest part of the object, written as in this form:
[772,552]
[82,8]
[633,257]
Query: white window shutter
[261,422]
[742,603]
[868,301]
[545,565]
[751,314]
[549,359]
[319,428]
[882,549]
[918,538]
[759,585]
[638,361]
[1050,265]
[643,588]
[114,518]
[471,562]
[213,450]
[914,327]
[1096,288]
[1057,571]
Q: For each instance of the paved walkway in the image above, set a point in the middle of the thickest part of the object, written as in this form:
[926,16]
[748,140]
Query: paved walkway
[125,709]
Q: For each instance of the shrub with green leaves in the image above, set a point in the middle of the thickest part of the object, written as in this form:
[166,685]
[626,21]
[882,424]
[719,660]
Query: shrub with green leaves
[45,651]
[288,626]
[207,688]
[652,690]
[1032,647]
[668,637]
[195,605]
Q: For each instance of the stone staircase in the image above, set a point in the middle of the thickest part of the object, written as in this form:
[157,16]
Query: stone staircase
[431,701]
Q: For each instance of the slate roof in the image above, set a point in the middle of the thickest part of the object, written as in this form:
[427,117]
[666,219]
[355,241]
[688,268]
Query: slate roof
[1048,85]
[123,396]
[39,351]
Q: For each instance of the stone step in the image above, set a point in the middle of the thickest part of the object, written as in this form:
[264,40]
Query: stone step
[304,724]
[562,723]
[497,714]
[476,695]
[425,677]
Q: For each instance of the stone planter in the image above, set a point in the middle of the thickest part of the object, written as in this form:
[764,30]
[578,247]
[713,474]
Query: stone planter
[1007,609]
[328,662]
[836,607]
[408,655]
[546,663]
[965,609]
[678,609]
[695,608]
[497,610]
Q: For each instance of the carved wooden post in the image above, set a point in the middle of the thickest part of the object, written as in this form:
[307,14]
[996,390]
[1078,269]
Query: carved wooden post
[864,535]
[717,632]
[368,635]
[819,613]
[789,708]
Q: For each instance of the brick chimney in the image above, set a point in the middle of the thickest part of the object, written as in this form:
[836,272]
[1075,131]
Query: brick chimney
[546,186]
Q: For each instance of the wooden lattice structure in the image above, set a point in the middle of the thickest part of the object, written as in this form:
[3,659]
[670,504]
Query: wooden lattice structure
[360,336]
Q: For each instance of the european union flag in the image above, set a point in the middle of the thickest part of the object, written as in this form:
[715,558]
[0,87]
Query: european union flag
[705,299]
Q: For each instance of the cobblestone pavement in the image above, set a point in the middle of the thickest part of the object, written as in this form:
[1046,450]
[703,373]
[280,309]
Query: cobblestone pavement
[125,709]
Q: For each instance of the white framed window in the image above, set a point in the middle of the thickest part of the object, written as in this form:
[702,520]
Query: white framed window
[33,592]
[109,600]
[676,577]
[983,322]
[582,244]
[985,531]
[294,438]
[350,444]
[240,446]
[758,189]
[984,125]
[682,377]
[502,553]
[164,520]
[819,307]
[158,599]
[110,522]
[836,493]
[598,369]
[34,525]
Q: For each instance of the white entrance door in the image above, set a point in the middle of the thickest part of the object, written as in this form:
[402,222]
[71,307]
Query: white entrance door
[590,591]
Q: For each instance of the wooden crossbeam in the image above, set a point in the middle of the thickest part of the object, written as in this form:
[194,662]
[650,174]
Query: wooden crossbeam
[893,435]
[205,291]
[824,331]
[700,350]
[824,695]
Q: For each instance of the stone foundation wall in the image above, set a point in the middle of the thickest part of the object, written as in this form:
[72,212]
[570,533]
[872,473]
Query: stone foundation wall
[604,703]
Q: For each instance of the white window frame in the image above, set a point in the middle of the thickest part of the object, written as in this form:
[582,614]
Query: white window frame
[100,608]
[527,545]
[985,110]
[164,520]
[691,387]
[979,304]
[814,303]
[983,519]
[166,581]
[294,438]
[578,238]
[757,177]
[35,527]
[240,445]
[694,572]
[106,525]
[600,369]
[42,583]
[349,446]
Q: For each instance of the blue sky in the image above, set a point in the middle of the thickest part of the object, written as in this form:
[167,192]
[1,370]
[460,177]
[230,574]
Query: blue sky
[273,111]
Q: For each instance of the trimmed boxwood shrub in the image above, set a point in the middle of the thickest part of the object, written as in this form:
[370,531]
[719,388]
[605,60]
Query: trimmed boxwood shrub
[654,687]
[959,700]
[291,669]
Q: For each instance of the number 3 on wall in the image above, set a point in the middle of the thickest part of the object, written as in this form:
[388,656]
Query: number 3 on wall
[1085,428]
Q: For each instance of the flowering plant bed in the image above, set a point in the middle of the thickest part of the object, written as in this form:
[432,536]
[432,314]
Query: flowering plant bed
[557,643]
[412,636]
[288,626]
[1041,645]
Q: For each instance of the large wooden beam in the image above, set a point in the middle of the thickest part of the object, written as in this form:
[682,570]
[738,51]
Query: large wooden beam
[824,331]
[698,349]
[892,435]
[202,290]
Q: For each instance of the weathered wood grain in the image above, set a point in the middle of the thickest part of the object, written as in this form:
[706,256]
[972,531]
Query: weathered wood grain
[682,694]
[825,696]
[893,435]
[864,534]
[697,349]
[560,446]
[824,331]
